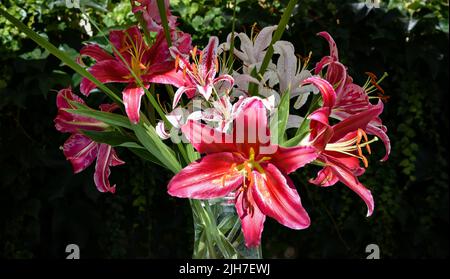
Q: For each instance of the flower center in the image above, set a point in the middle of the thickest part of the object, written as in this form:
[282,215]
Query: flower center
[353,147]
[196,71]
[136,53]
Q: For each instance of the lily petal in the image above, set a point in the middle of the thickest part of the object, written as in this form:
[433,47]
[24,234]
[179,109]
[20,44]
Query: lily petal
[381,133]
[207,140]
[105,71]
[209,55]
[212,176]
[325,177]
[252,222]
[332,44]
[276,197]
[80,151]
[350,180]
[325,88]
[102,170]
[190,91]
[250,126]
[290,159]
[132,100]
[95,52]
[356,121]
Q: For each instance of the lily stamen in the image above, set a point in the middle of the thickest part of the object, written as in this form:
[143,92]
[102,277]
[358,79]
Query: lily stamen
[353,145]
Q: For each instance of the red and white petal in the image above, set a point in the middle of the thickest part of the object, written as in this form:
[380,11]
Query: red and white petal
[172,77]
[276,197]
[115,160]
[210,55]
[212,176]
[325,88]
[332,44]
[381,133]
[102,171]
[227,78]
[190,91]
[80,151]
[252,221]
[132,96]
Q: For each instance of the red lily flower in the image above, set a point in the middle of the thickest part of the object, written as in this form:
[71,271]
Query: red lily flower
[201,75]
[249,166]
[341,149]
[80,150]
[150,64]
[350,98]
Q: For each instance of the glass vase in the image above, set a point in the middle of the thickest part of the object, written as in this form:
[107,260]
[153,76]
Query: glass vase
[218,233]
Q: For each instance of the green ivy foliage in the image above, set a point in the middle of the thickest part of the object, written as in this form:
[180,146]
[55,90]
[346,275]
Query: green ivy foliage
[44,207]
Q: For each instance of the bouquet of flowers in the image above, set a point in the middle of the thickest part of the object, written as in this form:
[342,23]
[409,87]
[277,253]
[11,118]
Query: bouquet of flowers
[235,120]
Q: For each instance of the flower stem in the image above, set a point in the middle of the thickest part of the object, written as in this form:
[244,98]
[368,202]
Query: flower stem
[270,50]
[164,22]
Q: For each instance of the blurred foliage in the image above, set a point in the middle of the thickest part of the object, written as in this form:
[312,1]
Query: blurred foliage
[44,206]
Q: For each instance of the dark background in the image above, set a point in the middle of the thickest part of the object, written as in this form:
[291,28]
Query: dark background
[43,207]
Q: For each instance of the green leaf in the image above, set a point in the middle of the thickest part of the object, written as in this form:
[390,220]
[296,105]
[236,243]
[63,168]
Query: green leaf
[191,153]
[279,120]
[146,134]
[113,138]
[144,154]
[109,118]
[276,37]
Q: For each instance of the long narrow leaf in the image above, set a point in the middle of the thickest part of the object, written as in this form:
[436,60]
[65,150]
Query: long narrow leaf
[59,54]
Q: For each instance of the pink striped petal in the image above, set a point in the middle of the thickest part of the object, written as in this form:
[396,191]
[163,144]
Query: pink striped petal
[80,151]
[331,43]
[132,100]
[276,197]
[325,88]
[252,219]
[102,171]
[209,56]
[172,77]
[226,78]
[380,131]
[212,176]
[190,91]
